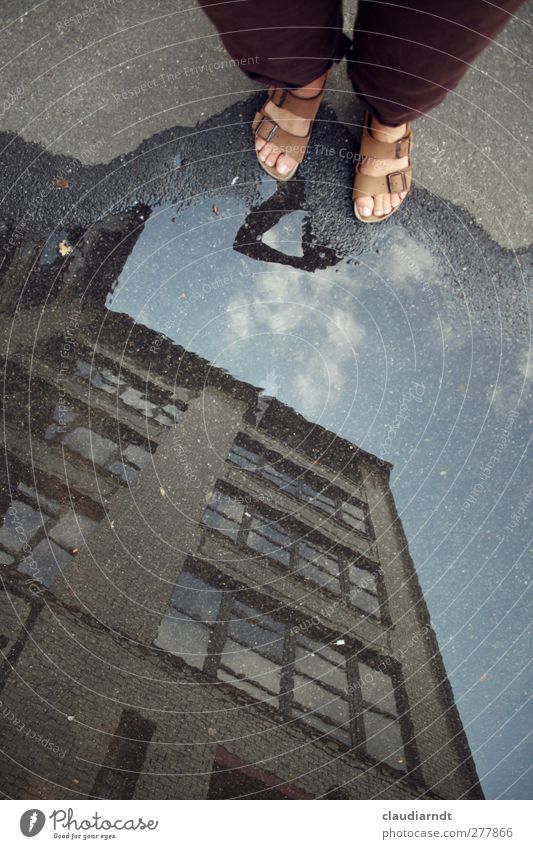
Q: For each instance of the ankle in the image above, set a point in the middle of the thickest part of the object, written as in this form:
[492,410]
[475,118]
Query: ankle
[313,88]
[384,133]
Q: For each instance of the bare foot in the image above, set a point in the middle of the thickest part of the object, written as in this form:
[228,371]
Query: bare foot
[382,204]
[267,151]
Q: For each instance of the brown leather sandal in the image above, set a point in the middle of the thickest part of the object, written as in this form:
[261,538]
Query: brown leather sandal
[367,185]
[267,129]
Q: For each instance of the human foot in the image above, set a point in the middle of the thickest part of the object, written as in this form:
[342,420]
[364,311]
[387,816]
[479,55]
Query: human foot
[293,113]
[386,173]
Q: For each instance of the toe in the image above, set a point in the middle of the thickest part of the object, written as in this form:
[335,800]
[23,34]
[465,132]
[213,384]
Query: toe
[395,200]
[364,206]
[284,164]
[265,151]
[378,205]
[259,143]
[403,195]
[272,156]
[387,206]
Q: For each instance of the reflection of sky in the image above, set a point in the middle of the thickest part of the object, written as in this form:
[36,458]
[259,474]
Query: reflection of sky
[381,350]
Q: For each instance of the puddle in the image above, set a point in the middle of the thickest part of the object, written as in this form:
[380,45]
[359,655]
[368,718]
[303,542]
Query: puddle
[406,345]
[383,351]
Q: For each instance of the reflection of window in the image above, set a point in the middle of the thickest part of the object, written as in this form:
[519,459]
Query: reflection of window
[320,695]
[123,763]
[185,629]
[319,566]
[363,589]
[381,729]
[270,538]
[249,525]
[299,482]
[232,778]
[252,657]
[329,688]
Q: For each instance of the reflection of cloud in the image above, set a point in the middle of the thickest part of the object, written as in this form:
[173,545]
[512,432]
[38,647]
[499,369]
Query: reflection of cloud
[286,235]
[270,383]
[451,335]
[350,331]
[240,320]
[515,392]
[270,390]
[282,318]
[274,287]
[525,364]
[301,307]
[399,265]
[406,264]
[306,388]
[298,310]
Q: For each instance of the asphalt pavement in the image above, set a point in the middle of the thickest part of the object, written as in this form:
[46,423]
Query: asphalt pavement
[130,187]
[93,80]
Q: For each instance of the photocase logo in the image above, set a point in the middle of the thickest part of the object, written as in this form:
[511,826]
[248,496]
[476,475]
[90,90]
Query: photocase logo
[32,822]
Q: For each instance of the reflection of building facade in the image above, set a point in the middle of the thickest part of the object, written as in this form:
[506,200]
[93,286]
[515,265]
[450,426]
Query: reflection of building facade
[201,602]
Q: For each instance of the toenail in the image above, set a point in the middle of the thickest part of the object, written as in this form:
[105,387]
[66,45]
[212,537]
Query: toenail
[366,211]
[283,168]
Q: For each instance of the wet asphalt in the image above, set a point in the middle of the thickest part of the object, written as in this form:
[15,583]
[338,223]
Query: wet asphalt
[444,278]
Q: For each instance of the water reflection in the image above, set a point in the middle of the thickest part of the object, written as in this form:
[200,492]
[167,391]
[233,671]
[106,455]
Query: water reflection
[246,542]
[404,352]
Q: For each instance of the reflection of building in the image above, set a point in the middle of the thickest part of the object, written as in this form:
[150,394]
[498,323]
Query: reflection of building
[201,602]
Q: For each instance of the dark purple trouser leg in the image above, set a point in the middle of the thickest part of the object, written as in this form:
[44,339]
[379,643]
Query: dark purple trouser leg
[285,41]
[406,54]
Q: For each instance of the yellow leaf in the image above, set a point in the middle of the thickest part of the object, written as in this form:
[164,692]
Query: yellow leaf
[64,248]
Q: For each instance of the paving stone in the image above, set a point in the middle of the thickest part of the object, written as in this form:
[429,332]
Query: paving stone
[50,432]
[98,382]
[166,421]
[136,399]
[174,412]
[90,445]
[112,378]
[123,471]
[45,563]
[20,514]
[83,369]
[64,415]
[6,559]
[41,501]
[137,455]
[72,529]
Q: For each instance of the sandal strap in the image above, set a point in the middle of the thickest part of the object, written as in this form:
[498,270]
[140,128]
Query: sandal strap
[299,107]
[366,185]
[267,129]
[384,150]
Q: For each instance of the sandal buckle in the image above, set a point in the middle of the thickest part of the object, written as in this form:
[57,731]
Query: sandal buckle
[272,132]
[403,178]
